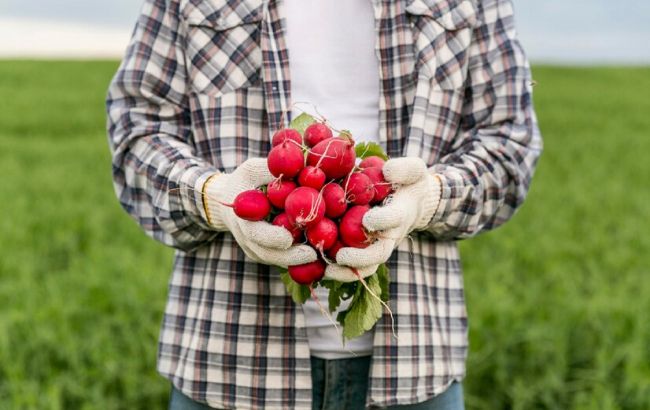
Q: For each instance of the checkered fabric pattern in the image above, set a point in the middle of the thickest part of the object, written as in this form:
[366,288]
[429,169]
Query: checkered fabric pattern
[203,85]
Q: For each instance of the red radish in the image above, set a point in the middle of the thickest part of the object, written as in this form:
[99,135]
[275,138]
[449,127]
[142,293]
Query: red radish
[283,221]
[304,207]
[370,162]
[323,235]
[286,134]
[286,160]
[251,205]
[312,177]
[351,227]
[381,187]
[316,133]
[335,203]
[308,273]
[335,249]
[359,188]
[335,156]
[278,190]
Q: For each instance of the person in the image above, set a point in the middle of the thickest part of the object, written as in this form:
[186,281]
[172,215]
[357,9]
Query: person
[442,85]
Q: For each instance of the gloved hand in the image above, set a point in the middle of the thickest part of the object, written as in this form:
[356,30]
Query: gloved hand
[411,207]
[261,241]
[341,273]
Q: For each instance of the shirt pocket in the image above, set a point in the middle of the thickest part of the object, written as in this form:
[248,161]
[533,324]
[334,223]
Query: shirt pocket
[442,33]
[222,49]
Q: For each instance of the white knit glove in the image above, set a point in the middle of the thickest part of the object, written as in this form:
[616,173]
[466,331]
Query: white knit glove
[344,274]
[260,241]
[410,208]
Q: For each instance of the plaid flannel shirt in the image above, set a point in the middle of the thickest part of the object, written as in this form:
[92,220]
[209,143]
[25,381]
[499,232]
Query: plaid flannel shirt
[202,86]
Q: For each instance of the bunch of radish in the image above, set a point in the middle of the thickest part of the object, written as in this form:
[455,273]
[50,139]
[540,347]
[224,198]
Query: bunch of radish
[320,194]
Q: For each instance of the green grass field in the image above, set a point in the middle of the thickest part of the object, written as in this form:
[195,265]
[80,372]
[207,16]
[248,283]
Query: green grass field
[559,298]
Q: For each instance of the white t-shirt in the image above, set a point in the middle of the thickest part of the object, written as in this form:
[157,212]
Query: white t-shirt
[333,65]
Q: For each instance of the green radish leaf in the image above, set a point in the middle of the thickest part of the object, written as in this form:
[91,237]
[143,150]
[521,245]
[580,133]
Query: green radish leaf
[333,300]
[348,289]
[301,122]
[365,310]
[328,283]
[299,293]
[383,276]
[336,291]
[370,149]
[341,316]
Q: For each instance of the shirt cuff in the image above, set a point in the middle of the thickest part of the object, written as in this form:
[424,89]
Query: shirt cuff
[193,181]
[214,188]
[452,185]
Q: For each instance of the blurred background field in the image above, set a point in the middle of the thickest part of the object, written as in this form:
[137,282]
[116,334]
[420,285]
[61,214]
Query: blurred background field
[559,298]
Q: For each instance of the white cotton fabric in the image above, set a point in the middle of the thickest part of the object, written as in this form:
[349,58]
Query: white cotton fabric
[334,68]
[333,65]
[261,241]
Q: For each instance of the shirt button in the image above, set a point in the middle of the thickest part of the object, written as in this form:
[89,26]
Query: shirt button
[221,22]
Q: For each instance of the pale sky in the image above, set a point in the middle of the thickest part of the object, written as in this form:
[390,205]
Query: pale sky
[558,31]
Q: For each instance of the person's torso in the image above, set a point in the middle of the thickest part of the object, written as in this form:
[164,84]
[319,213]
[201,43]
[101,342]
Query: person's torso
[231,331]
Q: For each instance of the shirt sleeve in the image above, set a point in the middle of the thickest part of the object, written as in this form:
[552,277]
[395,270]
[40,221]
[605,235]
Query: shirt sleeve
[157,176]
[486,175]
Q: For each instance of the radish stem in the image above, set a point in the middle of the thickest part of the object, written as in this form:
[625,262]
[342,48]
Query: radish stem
[322,309]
